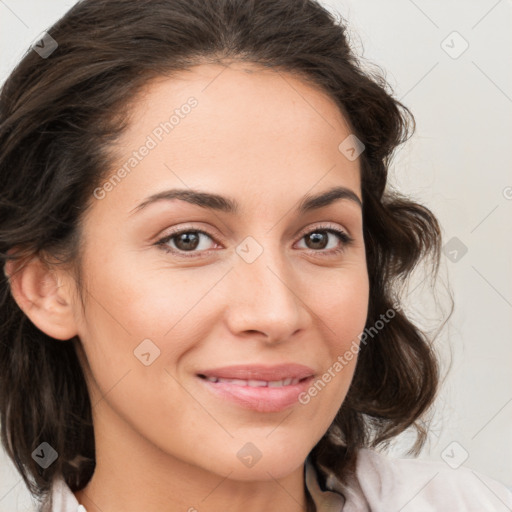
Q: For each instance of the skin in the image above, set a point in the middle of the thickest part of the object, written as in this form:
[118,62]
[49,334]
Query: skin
[163,442]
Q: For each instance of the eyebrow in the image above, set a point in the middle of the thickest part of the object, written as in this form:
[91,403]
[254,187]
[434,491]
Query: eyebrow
[227,205]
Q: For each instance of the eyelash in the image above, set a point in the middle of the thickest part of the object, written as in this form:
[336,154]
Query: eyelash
[345,239]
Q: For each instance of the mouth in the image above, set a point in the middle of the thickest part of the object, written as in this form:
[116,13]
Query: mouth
[256,383]
[262,395]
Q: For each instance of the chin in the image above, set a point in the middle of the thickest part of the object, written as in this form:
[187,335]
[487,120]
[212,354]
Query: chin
[265,464]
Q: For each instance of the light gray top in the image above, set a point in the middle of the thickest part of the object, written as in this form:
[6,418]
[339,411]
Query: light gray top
[382,484]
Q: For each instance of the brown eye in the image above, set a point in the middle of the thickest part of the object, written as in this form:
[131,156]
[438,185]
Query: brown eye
[186,241]
[192,241]
[319,239]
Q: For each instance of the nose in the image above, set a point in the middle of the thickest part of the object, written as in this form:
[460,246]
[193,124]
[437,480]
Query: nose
[266,297]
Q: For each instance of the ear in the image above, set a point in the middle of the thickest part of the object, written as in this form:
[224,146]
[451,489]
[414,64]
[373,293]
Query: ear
[44,295]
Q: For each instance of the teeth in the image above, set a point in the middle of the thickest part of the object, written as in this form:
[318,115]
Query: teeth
[256,383]
[238,382]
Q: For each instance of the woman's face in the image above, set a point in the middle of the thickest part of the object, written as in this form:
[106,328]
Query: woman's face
[265,283]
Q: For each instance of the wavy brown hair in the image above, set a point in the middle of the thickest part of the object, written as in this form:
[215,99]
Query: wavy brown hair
[59,117]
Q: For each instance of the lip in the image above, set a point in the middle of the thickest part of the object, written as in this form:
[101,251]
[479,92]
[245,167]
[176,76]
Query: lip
[260,398]
[260,372]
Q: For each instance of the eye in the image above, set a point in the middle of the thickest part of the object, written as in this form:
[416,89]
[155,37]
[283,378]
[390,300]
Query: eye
[185,240]
[195,241]
[318,239]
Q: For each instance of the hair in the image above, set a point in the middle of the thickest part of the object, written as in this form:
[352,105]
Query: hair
[59,119]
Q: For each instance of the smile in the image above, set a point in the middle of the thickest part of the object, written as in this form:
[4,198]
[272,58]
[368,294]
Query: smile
[258,395]
[257,383]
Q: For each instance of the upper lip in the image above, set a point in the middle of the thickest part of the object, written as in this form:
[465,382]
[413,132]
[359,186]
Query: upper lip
[260,372]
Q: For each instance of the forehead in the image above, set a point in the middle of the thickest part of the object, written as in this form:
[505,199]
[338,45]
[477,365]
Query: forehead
[238,100]
[252,129]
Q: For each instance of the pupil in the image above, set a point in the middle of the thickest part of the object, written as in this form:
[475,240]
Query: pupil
[188,241]
[317,238]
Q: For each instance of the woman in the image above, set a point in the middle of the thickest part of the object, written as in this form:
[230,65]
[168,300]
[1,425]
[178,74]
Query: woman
[202,307]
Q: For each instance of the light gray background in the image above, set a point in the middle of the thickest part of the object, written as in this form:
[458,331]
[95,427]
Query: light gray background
[458,163]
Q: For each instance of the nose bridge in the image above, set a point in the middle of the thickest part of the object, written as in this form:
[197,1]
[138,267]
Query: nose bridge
[266,298]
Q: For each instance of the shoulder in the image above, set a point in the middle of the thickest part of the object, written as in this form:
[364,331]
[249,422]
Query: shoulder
[409,485]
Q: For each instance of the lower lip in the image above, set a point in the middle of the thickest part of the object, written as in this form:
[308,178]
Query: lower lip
[260,399]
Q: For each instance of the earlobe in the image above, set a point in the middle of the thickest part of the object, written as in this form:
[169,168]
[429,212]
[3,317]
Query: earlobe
[39,292]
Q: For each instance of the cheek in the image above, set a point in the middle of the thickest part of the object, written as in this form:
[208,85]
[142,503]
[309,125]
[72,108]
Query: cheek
[148,300]
[341,303]
[140,324]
